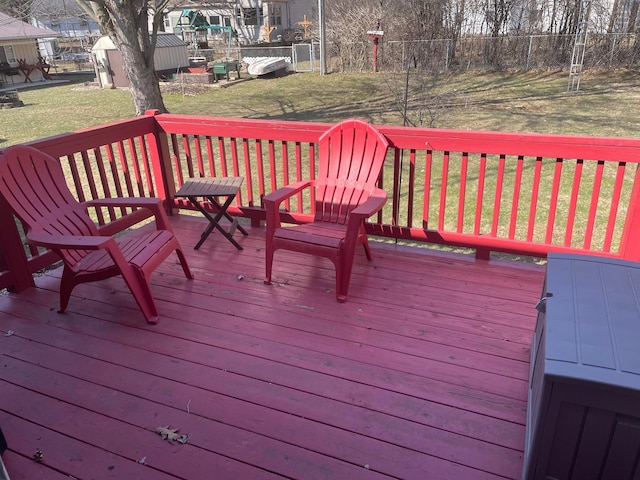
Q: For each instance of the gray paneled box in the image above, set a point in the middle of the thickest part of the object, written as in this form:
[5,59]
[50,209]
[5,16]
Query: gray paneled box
[583,416]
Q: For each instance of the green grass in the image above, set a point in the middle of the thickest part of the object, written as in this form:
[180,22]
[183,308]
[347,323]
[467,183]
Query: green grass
[522,102]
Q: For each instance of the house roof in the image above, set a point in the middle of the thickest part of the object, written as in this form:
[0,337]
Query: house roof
[14,29]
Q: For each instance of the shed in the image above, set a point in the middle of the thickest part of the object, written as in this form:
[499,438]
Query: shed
[170,55]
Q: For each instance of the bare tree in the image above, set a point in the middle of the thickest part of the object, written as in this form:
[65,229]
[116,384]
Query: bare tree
[347,26]
[126,22]
[16,8]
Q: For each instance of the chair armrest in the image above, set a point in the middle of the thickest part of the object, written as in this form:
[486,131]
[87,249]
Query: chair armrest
[272,202]
[71,242]
[278,196]
[154,205]
[372,205]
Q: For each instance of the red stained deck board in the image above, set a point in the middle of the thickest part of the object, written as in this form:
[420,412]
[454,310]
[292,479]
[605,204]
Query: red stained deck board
[255,293]
[524,284]
[424,368]
[25,468]
[194,339]
[61,452]
[340,338]
[372,314]
[404,295]
[387,283]
[341,441]
[290,389]
[119,444]
[413,300]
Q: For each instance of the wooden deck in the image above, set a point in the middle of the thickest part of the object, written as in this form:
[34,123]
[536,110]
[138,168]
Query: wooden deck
[422,374]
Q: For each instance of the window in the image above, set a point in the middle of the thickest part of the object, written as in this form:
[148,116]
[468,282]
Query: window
[227,21]
[247,16]
[6,54]
[275,15]
[167,21]
[214,20]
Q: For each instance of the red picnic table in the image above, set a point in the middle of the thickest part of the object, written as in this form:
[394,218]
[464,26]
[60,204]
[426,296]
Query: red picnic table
[28,68]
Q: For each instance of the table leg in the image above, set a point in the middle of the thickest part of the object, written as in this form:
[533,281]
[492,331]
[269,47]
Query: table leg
[214,221]
[222,210]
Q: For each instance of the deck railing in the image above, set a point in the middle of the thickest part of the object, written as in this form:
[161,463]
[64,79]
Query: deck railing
[525,194]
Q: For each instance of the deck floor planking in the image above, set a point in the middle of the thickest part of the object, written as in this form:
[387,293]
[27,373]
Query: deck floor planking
[423,370]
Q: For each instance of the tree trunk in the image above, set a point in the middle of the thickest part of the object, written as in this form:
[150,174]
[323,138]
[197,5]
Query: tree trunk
[633,16]
[126,23]
[615,10]
[144,86]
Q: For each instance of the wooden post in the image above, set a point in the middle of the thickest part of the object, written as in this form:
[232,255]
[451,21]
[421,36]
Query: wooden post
[12,251]
[161,163]
[375,35]
[630,242]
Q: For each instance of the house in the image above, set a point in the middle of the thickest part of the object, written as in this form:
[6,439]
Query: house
[76,35]
[252,21]
[19,41]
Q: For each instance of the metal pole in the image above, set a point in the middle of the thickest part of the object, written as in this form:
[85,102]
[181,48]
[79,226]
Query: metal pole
[322,32]
[413,60]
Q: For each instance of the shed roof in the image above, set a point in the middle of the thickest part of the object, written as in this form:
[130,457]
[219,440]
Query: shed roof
[14,29]
[163,40]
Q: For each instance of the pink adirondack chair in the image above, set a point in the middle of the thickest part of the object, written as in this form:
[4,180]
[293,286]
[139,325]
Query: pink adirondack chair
[351,156]
[34,185]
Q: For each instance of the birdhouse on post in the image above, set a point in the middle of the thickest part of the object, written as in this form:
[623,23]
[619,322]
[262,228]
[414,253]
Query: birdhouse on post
[375,35]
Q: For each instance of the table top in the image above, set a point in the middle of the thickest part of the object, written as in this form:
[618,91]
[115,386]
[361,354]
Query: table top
[210,187]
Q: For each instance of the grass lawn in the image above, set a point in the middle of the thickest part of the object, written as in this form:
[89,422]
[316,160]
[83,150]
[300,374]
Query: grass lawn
[522,102]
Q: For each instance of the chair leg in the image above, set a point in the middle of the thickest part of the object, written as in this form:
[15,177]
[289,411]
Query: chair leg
[341,291]
[139,285]
[343,278]
[365,243]
[183,262]
[268,265]
[66,287]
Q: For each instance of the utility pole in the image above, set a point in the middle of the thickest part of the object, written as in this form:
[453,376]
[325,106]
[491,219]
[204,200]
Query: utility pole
[322,32]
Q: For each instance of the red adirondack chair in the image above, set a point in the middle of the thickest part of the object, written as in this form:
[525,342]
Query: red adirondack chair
[351,156]
[34,185]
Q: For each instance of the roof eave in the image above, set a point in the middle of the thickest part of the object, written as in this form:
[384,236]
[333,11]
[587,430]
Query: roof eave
[29,37]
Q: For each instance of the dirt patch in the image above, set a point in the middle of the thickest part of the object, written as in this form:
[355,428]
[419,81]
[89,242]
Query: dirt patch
[184,88]
[86,87]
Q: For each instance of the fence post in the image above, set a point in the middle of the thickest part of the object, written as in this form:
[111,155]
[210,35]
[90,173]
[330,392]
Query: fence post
[613,48]
[446,59]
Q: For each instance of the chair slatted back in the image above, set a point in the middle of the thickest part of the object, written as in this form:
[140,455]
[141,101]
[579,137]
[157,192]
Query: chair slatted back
[351,156]
[34,185]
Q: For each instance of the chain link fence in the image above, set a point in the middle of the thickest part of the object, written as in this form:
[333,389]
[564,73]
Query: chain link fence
[527,52]
[508,52]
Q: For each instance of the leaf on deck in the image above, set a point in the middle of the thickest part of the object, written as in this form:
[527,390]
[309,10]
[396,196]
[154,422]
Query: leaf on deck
[171,434]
